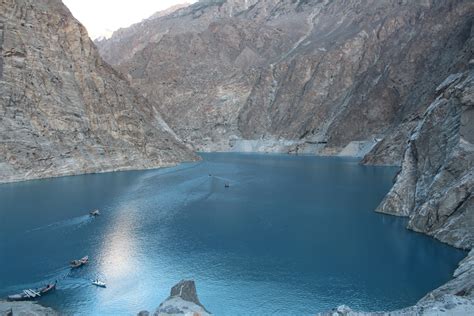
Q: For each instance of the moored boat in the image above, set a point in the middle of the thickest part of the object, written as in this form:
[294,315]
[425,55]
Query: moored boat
[31,294]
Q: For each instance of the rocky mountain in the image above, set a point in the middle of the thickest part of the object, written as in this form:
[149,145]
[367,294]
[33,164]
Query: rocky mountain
[170,10]
[63,110]
[300,76]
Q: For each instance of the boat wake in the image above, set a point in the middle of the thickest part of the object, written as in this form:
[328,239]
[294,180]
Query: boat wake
[76,222]
[222,178]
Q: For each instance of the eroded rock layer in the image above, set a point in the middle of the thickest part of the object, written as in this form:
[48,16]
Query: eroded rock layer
[63,110]
[297,76]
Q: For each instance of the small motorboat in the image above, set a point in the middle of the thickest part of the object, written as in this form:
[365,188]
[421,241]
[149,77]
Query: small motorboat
[79,263]
[48,288]
[98,283]
[31,294]
[226,185]
[94,213]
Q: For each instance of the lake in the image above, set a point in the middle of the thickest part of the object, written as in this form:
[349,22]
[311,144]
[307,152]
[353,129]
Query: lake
[291,235]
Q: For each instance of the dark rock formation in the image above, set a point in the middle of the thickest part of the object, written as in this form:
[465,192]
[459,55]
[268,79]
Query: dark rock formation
[298,76]
[183,300]
[186,290]
[63,110]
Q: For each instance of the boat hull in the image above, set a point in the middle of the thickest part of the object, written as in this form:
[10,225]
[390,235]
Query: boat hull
[99,285]
[19,297]
[23,297]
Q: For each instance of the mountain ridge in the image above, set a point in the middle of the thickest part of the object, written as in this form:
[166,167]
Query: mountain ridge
[294,76]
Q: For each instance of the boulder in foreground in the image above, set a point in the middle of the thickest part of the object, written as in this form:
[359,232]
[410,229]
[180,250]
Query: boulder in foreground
[183,301]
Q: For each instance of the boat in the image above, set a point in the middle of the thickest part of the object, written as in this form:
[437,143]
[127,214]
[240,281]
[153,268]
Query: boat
[94,213]
[31,294]
[226,185]
[98,283]
[79,263]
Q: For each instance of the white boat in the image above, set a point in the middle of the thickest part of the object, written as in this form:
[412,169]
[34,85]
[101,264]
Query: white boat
[98,283]
[94,213]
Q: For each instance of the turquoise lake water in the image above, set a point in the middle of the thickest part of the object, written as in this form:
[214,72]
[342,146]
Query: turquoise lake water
[292,235]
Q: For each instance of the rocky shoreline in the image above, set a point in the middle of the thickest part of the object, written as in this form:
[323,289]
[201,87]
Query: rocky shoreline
[435,190]
[25,309]
[453,298]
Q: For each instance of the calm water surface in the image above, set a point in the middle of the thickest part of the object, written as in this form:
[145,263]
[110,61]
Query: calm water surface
[291,236]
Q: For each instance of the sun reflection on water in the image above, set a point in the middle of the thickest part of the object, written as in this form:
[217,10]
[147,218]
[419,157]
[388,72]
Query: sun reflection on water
[119,264]
[119,257]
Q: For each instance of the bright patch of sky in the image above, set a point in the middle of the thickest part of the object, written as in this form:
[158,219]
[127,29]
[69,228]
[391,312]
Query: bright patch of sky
[103,17]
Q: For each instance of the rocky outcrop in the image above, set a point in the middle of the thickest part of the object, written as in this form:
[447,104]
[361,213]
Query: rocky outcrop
[183,300]
[295,76]
[435,186]
[63,110]
[25,309]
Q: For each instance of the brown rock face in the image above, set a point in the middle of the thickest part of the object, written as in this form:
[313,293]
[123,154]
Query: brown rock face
[300,76]
[63,110]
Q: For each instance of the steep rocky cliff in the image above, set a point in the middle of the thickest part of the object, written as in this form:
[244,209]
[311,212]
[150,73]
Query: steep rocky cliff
[294,75]
[63,110]
[435,186]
